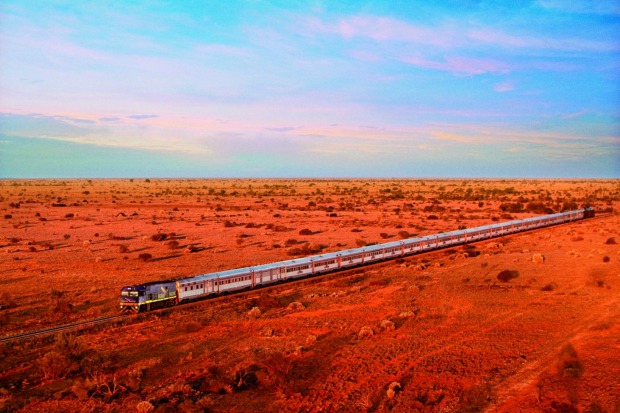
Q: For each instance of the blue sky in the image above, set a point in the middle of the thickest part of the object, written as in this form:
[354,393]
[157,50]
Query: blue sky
[310,89]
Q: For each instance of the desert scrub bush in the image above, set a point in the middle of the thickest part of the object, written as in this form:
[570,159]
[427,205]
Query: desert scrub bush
[64,358]
[191,327]
[59,303]
[403,234]
[295,306]
[392,389]
[610,241]
[550,287]
[387,325]
[476,398]
[255,312]
[511,207]
[507,275]
[55,365]
[159,237]
[144,407]
[245,377]
[123,248]
[606,258]
[365,332]
[360,242]
[6,301]
[172,244]
[569,364]
[145,256]
[306,231]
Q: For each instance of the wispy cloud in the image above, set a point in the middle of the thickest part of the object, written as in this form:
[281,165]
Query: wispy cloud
[141,117]
[497,37]
[575,114]
[603,7]
[502,87]
[461,65]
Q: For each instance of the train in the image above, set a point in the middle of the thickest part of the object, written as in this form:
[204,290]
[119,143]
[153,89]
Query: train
[159,294]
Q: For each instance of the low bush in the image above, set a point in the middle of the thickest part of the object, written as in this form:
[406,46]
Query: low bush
[305,231]
[172,244]
[6,301]
[145,256]
[569,363]
[159,237]
[507,275]
[610,241]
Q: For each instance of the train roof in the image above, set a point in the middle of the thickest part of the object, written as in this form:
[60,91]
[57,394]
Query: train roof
[144,285]
[368,248]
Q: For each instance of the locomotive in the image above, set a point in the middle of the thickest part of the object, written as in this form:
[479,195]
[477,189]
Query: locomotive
[158,294]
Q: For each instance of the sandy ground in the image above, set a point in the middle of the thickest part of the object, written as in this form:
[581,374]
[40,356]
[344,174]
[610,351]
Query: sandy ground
[437,332]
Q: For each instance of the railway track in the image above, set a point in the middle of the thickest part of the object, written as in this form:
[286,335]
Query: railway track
[65,327]
[225,300]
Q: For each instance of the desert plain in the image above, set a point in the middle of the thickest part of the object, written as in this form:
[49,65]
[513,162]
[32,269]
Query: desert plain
[435,332]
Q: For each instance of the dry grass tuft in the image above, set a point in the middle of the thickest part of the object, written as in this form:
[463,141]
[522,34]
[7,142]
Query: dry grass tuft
[365,332]
[255,312]
[387,325]
[295,306]
[392,389]
[569,363]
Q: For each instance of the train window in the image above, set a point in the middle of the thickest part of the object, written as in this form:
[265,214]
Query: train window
[185,288]
[191,287]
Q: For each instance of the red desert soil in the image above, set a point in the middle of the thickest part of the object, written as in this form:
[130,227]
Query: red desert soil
[438,332]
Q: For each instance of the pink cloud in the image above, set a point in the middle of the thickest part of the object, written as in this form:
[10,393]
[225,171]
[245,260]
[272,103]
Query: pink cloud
[461,65]
[499,38]
[364,56]
[384,29]
[576,114]
[503,87]
[222,49]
